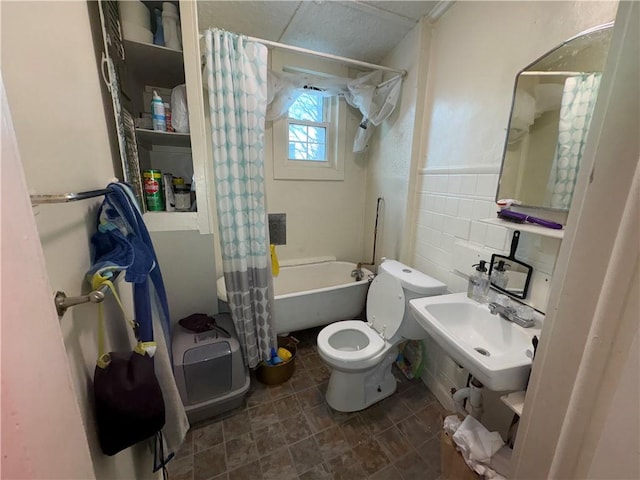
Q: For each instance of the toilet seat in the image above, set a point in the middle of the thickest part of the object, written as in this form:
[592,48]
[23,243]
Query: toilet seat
[385,305]
[375,345]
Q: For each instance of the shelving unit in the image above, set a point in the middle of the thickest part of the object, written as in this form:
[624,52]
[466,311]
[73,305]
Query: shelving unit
[167,139]
[170,221]
[160,67]
[151,63]
[515,401]
[525,227]
[132,71]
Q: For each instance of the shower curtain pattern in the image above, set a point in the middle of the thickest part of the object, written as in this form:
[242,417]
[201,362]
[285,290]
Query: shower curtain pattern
[578,100]
[236,81]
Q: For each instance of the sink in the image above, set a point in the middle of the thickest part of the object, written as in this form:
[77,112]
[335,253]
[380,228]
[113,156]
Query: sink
[495,351]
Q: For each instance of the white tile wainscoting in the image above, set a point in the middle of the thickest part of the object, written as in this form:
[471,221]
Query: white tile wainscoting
[450,235]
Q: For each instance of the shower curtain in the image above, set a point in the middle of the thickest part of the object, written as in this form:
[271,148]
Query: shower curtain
[578,100]
[236,81]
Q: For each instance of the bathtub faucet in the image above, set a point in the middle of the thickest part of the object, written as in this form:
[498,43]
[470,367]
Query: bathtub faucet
[357,273]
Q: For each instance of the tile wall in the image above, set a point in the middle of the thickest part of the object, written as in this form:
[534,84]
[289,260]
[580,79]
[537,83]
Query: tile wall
[449,207]
[449,238]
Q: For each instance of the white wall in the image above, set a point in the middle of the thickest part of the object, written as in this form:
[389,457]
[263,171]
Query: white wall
[188,269]
[323,217]
[477,48]
[392,151]
[54,92]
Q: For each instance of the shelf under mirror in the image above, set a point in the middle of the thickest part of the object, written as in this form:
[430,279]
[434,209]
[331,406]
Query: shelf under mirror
[525,227]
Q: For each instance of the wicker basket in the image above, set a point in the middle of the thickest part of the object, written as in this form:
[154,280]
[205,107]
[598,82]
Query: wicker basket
[280,373]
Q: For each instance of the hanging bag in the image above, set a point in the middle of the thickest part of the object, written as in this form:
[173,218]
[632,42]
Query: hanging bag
[129,406]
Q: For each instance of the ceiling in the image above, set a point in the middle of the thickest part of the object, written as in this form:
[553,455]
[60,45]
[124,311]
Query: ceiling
[363,30]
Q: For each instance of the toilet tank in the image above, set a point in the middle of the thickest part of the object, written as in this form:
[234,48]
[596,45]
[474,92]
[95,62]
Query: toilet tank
[415,284]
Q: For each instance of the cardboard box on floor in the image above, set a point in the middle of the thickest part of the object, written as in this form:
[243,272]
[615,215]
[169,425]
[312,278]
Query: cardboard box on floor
[452,464]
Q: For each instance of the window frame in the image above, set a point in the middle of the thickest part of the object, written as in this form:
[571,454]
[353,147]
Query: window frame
[331,169]
[327,124]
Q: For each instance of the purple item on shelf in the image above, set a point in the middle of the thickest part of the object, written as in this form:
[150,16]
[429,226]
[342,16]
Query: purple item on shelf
[521,218]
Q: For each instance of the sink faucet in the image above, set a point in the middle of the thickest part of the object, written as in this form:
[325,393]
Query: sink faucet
[510,314]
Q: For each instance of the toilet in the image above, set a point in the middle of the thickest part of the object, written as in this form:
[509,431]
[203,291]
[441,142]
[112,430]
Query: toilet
[360,354]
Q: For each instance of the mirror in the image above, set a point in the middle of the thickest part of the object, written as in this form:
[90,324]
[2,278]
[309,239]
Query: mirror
[550,116]
[508,274]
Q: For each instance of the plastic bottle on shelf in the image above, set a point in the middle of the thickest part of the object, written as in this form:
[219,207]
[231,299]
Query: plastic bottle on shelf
[157,113]
[167,117]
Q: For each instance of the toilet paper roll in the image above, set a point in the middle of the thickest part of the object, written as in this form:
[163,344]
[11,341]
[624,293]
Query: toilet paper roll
[136,13]
[170,8]
[170,23]
[136,33]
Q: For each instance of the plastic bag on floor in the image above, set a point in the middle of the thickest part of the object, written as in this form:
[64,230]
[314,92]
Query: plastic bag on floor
[478,445]
[451,424]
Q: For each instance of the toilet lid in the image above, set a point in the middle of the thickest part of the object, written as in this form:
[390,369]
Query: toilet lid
[349,341]
[385,305]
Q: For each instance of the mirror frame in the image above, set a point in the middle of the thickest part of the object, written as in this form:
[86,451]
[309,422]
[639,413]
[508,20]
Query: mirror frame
[597,28]
[515,240]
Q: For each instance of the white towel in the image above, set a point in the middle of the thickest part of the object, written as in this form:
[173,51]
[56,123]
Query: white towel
[548,97]
[524,108]
[176,423]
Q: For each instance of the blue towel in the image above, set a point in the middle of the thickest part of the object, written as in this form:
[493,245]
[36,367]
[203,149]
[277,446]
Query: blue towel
[122,243]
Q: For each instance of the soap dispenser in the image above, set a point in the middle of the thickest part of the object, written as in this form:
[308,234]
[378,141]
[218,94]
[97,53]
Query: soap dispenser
[499,276]
[478,287]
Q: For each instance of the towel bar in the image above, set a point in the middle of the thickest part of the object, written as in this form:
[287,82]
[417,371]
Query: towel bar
[63,303]
[67,197]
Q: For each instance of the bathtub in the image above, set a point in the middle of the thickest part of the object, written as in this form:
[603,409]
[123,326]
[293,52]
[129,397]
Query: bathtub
[313,294]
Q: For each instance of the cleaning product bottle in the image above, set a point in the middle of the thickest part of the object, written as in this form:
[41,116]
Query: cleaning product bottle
[167,117]
[499,276]
[478,286]
[275,359]
[157,113]
[275,265]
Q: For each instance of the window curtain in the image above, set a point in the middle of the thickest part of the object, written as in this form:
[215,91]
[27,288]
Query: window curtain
[578,100]
[237,86]
[374,98]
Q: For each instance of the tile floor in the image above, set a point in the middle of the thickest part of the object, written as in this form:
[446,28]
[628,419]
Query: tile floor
[288,432]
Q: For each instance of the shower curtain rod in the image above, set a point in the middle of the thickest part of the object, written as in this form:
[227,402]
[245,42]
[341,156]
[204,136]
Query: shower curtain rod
[552,74]
[329,56]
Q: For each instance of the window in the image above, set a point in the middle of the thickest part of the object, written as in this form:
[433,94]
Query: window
[308,127]
[308,144]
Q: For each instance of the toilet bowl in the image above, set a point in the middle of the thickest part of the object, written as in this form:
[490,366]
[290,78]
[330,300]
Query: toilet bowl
[360,354]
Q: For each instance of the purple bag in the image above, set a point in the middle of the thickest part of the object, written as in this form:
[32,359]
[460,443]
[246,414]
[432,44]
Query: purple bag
[129,406]
[128,401]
